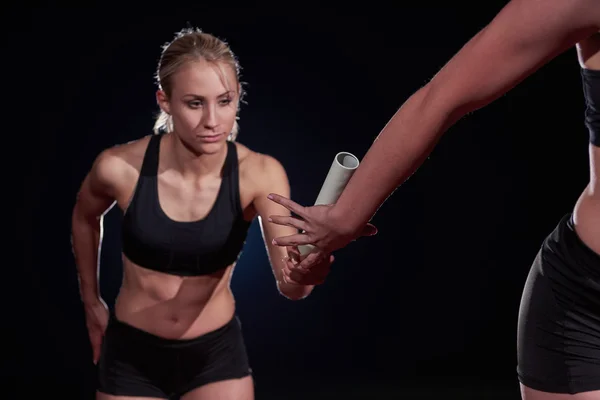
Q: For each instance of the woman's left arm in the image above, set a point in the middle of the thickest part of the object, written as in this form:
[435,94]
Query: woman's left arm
[269,177]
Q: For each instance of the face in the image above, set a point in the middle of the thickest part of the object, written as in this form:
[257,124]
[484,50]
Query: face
[203,104]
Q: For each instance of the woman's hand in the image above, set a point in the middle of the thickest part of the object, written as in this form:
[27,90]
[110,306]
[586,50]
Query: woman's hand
[294,274]
[96,319]
[320,227]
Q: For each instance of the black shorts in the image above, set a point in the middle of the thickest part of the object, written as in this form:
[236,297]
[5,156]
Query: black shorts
[136,363]
[558,344]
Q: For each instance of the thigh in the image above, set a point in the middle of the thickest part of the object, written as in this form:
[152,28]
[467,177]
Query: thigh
[231,389]
[532,394]
[130,367]
[558,346]
[540,334]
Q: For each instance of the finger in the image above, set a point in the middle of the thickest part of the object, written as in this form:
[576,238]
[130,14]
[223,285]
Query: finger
[297,277]
[288,221]
[287,272]
[289,280]
[96,354]
[295,268]
[311,260]
[292,240]
[294,254]
[369,230]
[315,279]
[287,203]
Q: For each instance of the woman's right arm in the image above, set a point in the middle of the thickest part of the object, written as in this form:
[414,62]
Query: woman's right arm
[95,197]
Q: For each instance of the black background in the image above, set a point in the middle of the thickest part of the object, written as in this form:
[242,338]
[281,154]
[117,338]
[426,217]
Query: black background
[427,308]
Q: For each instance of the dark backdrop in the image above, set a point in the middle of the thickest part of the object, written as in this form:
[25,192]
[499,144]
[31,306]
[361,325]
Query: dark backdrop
[428,306]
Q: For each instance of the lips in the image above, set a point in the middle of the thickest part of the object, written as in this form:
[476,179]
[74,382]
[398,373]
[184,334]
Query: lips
[211,138]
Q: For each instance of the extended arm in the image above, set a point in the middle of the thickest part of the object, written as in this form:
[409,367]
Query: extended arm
[524,35]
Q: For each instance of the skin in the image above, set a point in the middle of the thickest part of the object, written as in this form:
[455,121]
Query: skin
[586,212]
[525,35]
[202,102]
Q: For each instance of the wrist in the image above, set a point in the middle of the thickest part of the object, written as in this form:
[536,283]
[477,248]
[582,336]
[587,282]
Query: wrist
[91,300]
[344,219]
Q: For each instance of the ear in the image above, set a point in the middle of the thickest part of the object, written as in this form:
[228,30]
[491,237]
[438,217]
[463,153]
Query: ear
[163,101]
[240,91]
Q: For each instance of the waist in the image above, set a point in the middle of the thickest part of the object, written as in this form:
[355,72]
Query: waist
[172,306]
[568,260]
[586,219]
[141,335]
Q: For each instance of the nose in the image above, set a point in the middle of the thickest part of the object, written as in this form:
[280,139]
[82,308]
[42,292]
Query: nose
[210,117]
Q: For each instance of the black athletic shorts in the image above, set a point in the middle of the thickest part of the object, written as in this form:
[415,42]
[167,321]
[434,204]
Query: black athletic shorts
[558,345]
[136,363]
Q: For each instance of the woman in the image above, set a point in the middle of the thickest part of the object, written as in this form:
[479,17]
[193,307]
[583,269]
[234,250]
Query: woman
[188,194]
[559,323]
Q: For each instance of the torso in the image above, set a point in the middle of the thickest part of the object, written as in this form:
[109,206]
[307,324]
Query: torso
[169,305]
[586,213]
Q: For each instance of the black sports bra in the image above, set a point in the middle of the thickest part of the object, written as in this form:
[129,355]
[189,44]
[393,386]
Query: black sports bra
[591,91]
[152,240]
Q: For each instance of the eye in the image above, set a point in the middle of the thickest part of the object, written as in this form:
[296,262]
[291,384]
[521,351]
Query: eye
[224,102]
[195,103]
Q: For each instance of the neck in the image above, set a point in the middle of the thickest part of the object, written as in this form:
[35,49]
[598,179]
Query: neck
[191,164]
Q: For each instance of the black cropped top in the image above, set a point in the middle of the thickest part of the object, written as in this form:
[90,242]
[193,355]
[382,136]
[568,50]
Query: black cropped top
[152,240]
[591,91]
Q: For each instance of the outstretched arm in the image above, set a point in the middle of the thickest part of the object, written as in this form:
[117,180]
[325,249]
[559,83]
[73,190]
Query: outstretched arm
[524,35]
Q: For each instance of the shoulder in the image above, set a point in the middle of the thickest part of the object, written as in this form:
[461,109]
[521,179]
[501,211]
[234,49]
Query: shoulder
[119,162]
[261,170]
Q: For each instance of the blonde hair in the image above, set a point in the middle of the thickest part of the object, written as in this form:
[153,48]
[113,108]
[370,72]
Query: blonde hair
[190,45]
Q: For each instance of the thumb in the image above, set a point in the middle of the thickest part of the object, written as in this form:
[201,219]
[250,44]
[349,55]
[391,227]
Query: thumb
[95,355]
[369,230]
[294,253]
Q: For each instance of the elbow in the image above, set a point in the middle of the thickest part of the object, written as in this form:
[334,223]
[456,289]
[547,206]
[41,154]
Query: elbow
[82,221]
[294,292]
[293,297]
[438,99]
[78,216]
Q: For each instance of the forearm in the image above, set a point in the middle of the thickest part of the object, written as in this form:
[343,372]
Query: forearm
[294,291]
[86,242]
[277,256]
[404,143]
